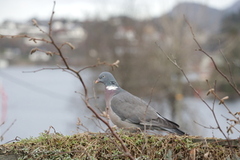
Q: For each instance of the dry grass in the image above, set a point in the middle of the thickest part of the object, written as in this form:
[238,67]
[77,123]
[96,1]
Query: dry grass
[104,146]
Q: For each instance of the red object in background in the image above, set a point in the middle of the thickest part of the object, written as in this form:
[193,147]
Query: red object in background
[3,97]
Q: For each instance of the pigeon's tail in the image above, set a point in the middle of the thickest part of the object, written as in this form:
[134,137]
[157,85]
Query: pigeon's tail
[175,130]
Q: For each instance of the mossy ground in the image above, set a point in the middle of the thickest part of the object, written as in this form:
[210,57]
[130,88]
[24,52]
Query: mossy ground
[103,146]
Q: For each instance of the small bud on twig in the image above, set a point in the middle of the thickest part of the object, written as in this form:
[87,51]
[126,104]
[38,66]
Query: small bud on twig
[33,50]
[104,114]
[33,39]
[210,91]
[237,113]
[70,45]
[49,53]
[34,22]
[229,129]
[116,63]
[223,99]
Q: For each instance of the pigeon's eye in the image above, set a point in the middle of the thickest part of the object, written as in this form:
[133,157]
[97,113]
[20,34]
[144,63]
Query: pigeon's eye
[102,77]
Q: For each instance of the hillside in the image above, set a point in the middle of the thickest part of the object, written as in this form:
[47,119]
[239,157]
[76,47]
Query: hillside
[203,17]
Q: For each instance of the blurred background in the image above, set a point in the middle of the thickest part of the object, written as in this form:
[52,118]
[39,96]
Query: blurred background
[117,30]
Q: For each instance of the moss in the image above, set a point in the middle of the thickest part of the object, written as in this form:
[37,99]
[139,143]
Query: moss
[104,146]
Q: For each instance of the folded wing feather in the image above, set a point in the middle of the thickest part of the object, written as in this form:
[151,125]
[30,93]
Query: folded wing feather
[134,110]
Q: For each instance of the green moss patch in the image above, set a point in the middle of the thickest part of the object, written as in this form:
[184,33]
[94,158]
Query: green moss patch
[104,146]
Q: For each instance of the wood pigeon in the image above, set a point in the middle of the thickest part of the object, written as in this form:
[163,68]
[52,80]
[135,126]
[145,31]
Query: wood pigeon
[128,111]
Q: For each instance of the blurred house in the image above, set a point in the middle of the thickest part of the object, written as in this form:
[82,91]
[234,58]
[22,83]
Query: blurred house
[68,31]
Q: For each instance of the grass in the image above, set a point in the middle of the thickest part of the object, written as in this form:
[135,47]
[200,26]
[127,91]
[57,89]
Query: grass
[103,146]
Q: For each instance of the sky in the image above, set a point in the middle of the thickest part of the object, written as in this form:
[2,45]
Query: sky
[22,10]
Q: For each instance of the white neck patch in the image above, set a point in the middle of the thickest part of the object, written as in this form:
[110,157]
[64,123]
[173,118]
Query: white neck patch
[111,87]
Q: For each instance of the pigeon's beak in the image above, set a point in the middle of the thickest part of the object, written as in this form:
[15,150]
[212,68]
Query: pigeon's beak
[97,81]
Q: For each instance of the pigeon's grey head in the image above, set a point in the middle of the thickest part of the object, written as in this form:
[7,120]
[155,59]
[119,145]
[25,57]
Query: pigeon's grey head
[107,79]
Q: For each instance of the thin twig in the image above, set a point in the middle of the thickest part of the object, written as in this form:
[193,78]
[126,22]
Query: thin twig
[51,20]
[67,43]
[223,103]
[42,69]
[151,94]
[7,129]
[17,138]
[36,24]
[229,68]
[26,36]
[99,62]
[210,127]
[2,123]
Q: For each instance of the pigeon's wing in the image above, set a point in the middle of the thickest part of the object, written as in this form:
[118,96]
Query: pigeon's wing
[131,108]
[134,110]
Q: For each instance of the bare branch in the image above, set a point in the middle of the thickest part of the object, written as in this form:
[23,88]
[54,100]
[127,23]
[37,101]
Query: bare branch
[210,127]
[197,93]
[99,62]
[36,24]
[40,50]
[211,90]
[26,36]
[211,58]
[67,68]
[70,70]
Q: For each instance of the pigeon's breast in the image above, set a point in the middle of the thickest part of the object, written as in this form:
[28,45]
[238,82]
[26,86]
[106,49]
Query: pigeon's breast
[108,96]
